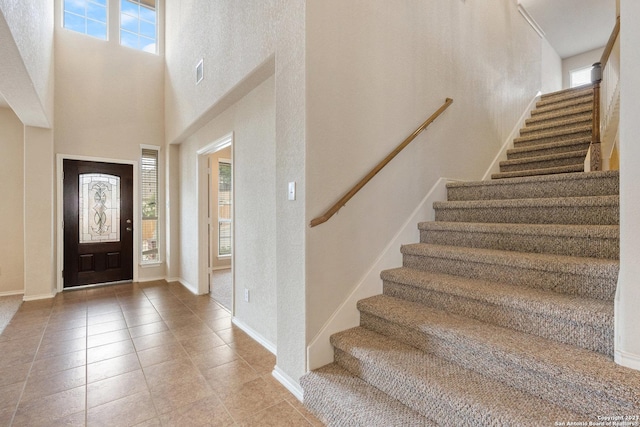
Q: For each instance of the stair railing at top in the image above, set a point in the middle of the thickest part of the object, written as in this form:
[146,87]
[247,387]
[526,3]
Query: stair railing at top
[606,101]
[343,201]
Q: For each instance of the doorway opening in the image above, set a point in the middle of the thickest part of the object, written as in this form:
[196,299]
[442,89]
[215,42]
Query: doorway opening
[216,223]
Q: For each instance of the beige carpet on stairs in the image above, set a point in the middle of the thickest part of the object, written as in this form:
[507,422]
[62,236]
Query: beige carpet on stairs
[502,314]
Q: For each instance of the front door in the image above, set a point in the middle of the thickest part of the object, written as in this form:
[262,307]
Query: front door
[98,222]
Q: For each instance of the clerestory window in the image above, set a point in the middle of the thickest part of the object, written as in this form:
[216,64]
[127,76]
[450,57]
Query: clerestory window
[86,17]
[138,24]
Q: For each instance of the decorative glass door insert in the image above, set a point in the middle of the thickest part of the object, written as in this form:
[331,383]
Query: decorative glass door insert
[99,208]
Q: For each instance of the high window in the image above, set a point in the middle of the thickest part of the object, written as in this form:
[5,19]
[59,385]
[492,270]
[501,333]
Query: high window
[138,27]
[149,176]
[579,77]
[224,207]
[86,17]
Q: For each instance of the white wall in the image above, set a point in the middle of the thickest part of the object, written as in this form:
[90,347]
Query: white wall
[628,296]
[12,206]
[375,71]
[109,101]
[551,72]
[252,121]
[26,69]
[242,46]
[582,60]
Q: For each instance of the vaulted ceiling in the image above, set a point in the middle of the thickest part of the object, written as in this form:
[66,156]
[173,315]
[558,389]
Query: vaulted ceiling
[573,26]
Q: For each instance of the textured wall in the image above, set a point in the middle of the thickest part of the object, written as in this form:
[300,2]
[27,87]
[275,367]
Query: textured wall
[12,206]
[109,101]
[551,69]
[26,69]
[252,120]
[375,71]
[628,297]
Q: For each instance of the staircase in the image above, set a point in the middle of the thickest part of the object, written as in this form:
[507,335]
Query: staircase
[502,315]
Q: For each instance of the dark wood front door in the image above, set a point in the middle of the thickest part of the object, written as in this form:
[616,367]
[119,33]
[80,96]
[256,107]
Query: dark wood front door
[98,222]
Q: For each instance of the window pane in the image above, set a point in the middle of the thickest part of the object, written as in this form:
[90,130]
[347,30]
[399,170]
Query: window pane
[130,8]
[148,14]
[128,39]
[224,238]
[76,6]
[580,77]
[139,18]
[97,29]
[74,22]
[149,184]
[148,30]
[129,23]
[97,12]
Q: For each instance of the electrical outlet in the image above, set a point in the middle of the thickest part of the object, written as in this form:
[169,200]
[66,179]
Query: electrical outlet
[246,295]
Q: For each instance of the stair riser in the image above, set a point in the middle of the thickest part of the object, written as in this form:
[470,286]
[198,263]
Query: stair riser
[586,246]
[562,282]
[520,143]
[550,118]
[602,186]
[542,164]
[493,364]
[547,151]
[558,329]
[604,215]
[429,405]
[553,126]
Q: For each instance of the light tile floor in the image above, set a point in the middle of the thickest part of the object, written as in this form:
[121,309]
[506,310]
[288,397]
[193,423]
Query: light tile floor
[149,354]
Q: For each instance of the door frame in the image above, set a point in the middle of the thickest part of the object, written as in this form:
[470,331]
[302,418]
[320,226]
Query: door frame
[60,211]
[202,202]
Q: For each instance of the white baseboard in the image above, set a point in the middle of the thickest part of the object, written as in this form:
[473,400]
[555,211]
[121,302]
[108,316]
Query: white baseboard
[502,154]
[628,360]
[320,351]
[11,293]
[189,286]
[288,382]
[255,335]
[151,279]
[38,297]
[172,279]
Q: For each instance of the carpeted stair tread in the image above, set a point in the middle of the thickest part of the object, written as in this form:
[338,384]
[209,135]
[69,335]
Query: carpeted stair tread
[561,114]
[443,391]
[552,135]
[339,398]
[550,148]
[559,96]
[599,241]
[544,161]
[580,276]
[560,123]
[569,103]
[584,380]
[537,172]
[567,210]
[545,186]
[583,322]
[568,92]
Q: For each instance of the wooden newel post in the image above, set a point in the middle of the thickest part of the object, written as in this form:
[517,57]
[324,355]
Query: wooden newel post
[596,155]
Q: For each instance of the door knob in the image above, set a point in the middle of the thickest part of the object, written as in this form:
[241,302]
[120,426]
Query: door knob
[128,221]
[129,229]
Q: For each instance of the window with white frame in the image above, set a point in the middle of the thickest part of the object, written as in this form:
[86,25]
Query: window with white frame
[224,207]
[86,16]
[579,77]
[138,24]
[149,184]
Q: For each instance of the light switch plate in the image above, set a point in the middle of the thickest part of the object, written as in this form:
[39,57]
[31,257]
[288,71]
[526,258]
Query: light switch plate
[292,190]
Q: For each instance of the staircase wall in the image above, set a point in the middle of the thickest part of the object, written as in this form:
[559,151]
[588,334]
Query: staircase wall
[628,297]
[375,71]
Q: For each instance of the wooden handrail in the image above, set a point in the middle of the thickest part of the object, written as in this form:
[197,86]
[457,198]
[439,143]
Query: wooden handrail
[343,201]
[609,47]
